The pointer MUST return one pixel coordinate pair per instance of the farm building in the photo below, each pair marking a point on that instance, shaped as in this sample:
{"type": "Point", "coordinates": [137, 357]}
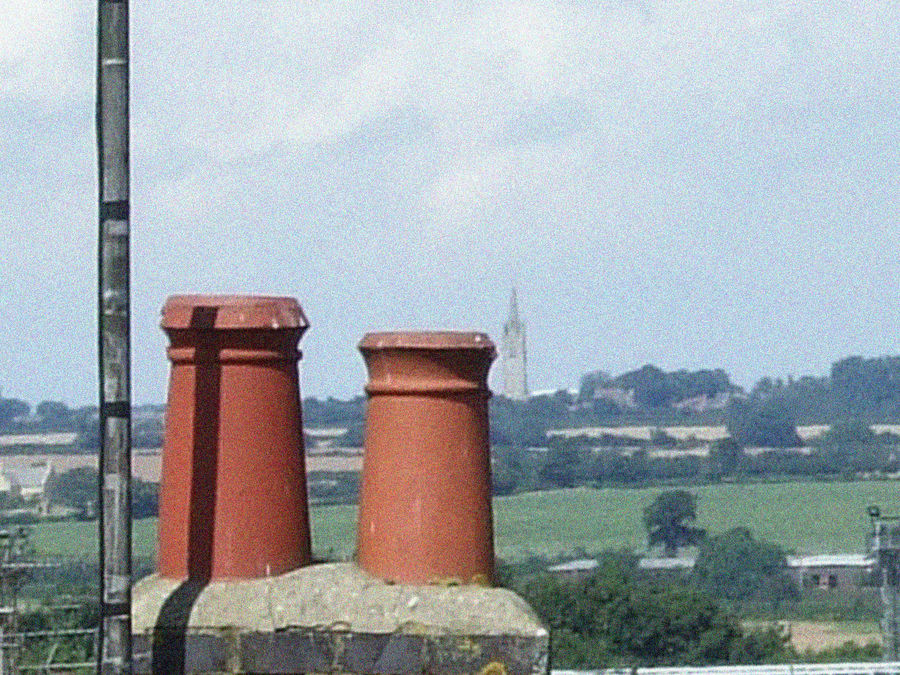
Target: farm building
{"type": "Point", "coordinates": [26, 481]}
{"type": "Point", "coordinates": [574, 570]}
{"type": "Point", "coordinates": [839, 570]}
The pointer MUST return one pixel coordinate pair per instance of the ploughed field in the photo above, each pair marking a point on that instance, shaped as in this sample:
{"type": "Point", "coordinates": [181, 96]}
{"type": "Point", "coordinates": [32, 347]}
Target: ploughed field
{"type": "Point", "coordinates": [811, 517]}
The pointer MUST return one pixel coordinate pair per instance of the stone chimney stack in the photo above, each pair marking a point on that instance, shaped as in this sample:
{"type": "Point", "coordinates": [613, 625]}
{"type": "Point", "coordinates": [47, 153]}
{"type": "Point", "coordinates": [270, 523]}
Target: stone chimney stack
{"type": "Point", "coordinates": [234, 593]}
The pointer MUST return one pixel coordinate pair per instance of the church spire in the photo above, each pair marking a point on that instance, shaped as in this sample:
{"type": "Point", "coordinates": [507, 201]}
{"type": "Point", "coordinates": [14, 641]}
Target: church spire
{"type": "Point", "coordinates": [513, 310]}
{"type": "Point", "coordinates": [515, 384]}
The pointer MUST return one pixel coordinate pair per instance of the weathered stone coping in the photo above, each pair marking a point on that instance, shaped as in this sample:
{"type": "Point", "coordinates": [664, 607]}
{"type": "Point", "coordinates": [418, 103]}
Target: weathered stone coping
{"type": "Point", "coordinates": [332, 618]}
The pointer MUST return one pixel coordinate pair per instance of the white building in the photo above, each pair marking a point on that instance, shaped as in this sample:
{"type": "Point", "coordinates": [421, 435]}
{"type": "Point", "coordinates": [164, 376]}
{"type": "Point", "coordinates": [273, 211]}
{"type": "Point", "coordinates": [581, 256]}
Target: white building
{"type": "Point", "coordinates": [26, 481]}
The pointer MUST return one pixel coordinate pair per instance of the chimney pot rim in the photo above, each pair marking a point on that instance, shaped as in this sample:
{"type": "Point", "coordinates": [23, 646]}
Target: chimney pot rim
{"type": "Point", "coordinates": [442, 339]}
{"type": "Point", "coordinates": [234, 312]}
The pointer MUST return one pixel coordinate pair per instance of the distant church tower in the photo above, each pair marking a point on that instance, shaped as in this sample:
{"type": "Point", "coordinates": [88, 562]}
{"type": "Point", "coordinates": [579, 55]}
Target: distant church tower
{"type": "Point", "coordinates": [512, 351]}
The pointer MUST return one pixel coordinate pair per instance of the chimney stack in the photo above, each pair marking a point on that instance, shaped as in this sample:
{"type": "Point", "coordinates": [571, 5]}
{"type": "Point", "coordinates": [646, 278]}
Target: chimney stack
{"type": "Point", "coordinates": [234, 594]}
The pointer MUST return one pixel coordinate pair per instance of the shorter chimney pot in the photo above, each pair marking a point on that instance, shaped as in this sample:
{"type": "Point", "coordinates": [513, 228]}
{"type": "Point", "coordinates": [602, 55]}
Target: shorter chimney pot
{"type": "Point", "coordinates": [425, 499]}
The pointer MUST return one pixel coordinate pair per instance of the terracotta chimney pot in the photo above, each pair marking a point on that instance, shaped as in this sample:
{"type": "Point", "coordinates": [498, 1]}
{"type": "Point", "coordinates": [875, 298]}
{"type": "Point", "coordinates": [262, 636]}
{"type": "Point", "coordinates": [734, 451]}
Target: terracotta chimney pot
{"type": "Point", "coordinates": [233, 494]}
{"type": "Point", "coordinates": [425, 501]}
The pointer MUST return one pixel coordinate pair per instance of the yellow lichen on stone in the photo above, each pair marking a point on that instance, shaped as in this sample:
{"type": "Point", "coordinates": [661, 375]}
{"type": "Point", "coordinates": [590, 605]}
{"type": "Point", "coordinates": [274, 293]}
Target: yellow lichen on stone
{"type": "Point", "coordinates": [494, 668]}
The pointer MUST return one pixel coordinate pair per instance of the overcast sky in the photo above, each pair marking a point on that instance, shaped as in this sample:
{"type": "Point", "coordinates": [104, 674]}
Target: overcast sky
{"type": "Point", "coordinates": [690, 184]}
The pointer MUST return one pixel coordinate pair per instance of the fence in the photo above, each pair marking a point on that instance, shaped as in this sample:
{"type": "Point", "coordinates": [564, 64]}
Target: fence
{"type": "Point", "coordinates": [876, 668]}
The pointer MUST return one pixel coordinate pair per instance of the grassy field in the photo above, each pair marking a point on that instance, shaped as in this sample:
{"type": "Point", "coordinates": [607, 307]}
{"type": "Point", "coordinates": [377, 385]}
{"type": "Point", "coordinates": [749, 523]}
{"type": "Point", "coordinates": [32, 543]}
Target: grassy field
{"type": "Point", "coordinates": [801, 517]}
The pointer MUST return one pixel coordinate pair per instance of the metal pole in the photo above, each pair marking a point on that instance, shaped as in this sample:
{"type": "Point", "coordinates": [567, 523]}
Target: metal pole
{"type": "Point", "coordinates": [114, 650]}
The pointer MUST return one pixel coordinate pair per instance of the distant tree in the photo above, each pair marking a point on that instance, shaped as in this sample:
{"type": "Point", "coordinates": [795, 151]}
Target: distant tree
{"type": "Point", "coordinates": [560, 469]}
{"type": "Point", "coordinates": [53, 413]}
{"type": "Point", "coordinates": [144, 499]}
{"type": "Point", "coordinates": [12, 408]}
{"type": "Point", "coordinates": [590, 382]}
{"type": "Point", "coordinates": [616, 619]}
{"type": "Point", "coordinates": [655, 388]}
{"type": "Point", "coordinates": [354, 436]}
{"type": "Point", "coordinates": [85, 421]}
{"type": "Point", "coordinates": [77, 489]}
{"type": "Point", "coordinates": [504, 479]}
{"type": "Point", "coordinates": [668, 521]}
{"type": "Point", "coordinates": [551, 407]}
{"type": "Point", "coordinates": [333, 412]}
{"type": "Point", "coordinates": [868, 386]}
{"type": "Point", "coordinates": [651, 386]}
{"type": "Point", "coordinates": [761, 424]}
{"type": "Point", "coordinates": [845, 432]}
{"type": "Point", "coordinates": [770, 644]}
{"type": "Point", "coordinates": [515, 423]}
{"type": "Point", "coordinates": [764, 388]}
{"type": "Point", "coordinates": [10, 500]}
{"type": "Point", "coordinates": [725, 455]}
{"type": "Point", "coordinates": [735, 566]}
{"type": "Point", "coordinates": [850, 446]}
{"type": "Point", "coordinates": [147, 433]}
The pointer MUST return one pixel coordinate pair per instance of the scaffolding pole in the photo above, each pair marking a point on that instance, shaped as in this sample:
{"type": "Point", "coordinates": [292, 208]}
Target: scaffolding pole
{"type": "Point", "coordinates": [114, 652]}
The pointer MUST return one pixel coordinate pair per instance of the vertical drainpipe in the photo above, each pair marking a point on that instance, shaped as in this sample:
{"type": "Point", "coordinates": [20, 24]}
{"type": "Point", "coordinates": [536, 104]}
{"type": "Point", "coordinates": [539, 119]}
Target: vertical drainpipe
{"type": "Point", "coordinates": [114, 349]}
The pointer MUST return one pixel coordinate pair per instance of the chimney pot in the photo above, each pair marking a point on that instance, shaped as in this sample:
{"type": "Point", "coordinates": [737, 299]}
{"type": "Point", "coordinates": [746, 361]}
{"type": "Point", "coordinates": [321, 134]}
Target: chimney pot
{"type": "Point", "coordinates": [233, 493]}
{"type": "Point", "coordinates": [425, 500]}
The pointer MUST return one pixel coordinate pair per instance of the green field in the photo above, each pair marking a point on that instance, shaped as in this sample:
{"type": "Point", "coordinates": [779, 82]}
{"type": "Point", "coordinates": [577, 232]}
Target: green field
{"type": "Point", "coordinates": [802, 517]}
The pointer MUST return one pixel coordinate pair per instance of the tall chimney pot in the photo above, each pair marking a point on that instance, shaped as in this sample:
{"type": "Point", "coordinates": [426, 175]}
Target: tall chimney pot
{"type": "Point", "coordinates": [233, 494]}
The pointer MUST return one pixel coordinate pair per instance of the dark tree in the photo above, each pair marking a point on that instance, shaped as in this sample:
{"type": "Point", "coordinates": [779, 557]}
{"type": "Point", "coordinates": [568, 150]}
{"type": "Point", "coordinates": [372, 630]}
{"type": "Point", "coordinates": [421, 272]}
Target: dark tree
{"type": "Point", "coordinates": [725, 455]}
{"type": "Point", "coordinates": [522, 424]}
{"type": "Point", "coordinates": [560, 469]}
{"type": "Point", "coordinates": [736, 566]}
{"type": "Point", "coordinates": [615, 618]}
{"type": "Point", "coordinates": [144, 499]}
{"type": "Point", "coordinates": [669, 521]}
{"type": "Point", "coordinates": [76, 489]}
{"type": "Point", "coordinates": [11, 409]}
{"type": "Point", "coordinates": [652, 387]}
{"type": "Point", "coordinates": [846, 432]}
{"type": "Point", "coordinates": [53, 413]}
{"type": "Point", "coordinates": [867, 385]}
{"type": "Point", "coordinates": [762, 424]}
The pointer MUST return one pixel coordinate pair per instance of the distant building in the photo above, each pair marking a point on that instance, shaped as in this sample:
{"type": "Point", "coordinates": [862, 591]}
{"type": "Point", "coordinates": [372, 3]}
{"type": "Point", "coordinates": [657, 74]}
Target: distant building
{"type": "Point", "coordinates": [826, 572]}
{"type": "Point", "coordinates": [513, 354]}
{"type": "Point", "coordinates": [704, 403]}
{"type": "Point", "coordinates": [26, 481]}
{"type": "Point", "coordinates": [843, 570]}
{"type": "Point", "coordinates": [675, 564]}
{"type": "Point", "coordinates": [624, 398]}
{"type": "Point", "coordinates": [576, 570]}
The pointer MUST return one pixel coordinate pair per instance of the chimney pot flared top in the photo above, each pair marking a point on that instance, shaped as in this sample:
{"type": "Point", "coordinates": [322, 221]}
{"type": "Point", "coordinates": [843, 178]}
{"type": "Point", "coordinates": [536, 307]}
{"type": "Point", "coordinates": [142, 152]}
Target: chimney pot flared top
{"type": "Point", "coordinates": [232, 312]}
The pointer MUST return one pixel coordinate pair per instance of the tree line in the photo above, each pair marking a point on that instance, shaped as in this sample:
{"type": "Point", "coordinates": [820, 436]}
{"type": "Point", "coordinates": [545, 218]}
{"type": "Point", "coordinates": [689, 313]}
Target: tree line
{"type": "Point", "coordinates": [849, 450]}
{"type": "Point", "coordinates": [856, 388]}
